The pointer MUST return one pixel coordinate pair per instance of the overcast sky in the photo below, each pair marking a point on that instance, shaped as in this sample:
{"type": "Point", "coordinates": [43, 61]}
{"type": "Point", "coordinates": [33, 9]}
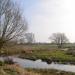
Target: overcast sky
{"type": "Point", "coordinates": [49, 16]}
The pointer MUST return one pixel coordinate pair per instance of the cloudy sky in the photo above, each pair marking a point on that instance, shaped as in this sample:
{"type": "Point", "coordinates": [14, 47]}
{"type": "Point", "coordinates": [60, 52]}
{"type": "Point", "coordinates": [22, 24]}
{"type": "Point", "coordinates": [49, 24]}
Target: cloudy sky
{"type": "Point", "coordinates": [49, 16]}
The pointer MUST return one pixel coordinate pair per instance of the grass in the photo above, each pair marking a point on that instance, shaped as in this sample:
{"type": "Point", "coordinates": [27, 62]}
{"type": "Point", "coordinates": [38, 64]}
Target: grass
{"type": "Point", "coordinates": [54, 55]}
{"type": "Point", "coordinates": [15, 70]}
{"type": "Point", "coordinates": [44, 52]}
{"type": "Point", "coordinates": [10, 49]}
{"type": "Point", "coordinates": [50, 72]}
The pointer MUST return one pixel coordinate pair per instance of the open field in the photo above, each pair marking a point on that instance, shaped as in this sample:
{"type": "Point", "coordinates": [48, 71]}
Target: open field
{"type": "Point", "coordinates": [11, 49]}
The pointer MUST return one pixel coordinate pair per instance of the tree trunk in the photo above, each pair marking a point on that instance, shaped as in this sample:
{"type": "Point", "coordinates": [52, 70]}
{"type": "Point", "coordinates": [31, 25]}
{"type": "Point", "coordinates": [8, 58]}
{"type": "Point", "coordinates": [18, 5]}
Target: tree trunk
{"type": "Point", "coordinates": [59, 45]}
{"type": "Point", "coordinates": [1, 43]}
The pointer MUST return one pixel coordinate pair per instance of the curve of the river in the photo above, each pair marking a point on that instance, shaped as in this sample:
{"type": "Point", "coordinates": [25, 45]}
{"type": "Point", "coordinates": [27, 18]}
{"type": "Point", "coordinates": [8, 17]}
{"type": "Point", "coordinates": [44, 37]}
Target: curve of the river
{"type": "Point", "coordinates": [39, 64]}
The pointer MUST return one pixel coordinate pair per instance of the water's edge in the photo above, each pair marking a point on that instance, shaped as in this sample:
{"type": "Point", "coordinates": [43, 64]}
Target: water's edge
{"type": "Point", "coordinates": [39, 64]}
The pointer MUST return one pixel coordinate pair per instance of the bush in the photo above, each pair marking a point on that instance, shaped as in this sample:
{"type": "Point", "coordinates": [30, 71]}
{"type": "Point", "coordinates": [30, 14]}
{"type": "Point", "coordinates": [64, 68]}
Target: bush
{"type": "Point", "coordinates": [1, 63]}
{"type": "Point", "coordinates": [71, 52]}
{"type": "Point", "coordinates": [8, 61]}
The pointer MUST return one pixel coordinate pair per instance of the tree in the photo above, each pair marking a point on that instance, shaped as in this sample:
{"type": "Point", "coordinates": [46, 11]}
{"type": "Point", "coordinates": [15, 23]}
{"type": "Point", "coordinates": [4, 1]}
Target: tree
{"type": "Point", "coordinates": [12, 24]}
{"type": "Point", "coordinates": [30, 37]}
{"type": "Point", "coordinates": [59, 39]}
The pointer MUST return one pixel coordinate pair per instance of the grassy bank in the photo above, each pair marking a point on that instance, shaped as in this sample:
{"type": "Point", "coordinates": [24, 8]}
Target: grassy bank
{"type": "Point", "coordinates": [50, 72]}
{"type": "Point", "coordinates": [49, 55]}
{"type": "Point", "coordinates": [17, 70]}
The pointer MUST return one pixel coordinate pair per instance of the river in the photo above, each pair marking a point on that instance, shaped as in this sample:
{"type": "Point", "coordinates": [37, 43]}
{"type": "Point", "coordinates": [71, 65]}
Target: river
{"type": "Point", "coordinates": [39, 64]}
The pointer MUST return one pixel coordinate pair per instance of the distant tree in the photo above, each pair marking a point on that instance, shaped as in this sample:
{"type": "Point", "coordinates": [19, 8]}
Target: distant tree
{"type": "Point", "coordinates": [30, 37]}
{"type": "Point", "coordinates": [12, 24]}
{"type": "Point", "coordinates": [21, 41]}
{"type": "Point", "coordinates": [59, 39]}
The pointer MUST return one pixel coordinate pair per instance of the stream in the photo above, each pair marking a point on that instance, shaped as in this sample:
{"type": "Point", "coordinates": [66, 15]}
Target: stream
{"type": "Point", "coordinates": [39, 64]}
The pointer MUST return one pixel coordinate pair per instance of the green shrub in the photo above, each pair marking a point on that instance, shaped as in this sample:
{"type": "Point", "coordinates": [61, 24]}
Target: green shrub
{"type": "Point", "coordinates": [1, 63]}
{"type": "Point", "coordinates": [8, 61]}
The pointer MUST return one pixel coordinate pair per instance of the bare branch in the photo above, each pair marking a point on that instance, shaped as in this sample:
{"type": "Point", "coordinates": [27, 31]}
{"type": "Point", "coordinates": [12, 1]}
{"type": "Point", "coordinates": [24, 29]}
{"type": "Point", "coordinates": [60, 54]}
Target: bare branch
{"type": "Point", "coordinates": [12, 24]}
{"type": "Point", "coordinates": [59, 39]}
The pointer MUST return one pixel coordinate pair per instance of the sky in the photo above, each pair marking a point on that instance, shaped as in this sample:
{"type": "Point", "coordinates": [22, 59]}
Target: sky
{"type": "Point", "coordinates": [45, 17]}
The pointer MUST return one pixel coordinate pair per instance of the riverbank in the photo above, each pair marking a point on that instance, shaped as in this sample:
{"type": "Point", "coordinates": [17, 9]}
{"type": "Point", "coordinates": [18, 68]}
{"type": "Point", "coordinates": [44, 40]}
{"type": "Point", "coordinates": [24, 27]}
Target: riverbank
{"type": "Point", "coordinates": [17, 70]}
{"type": "Point", "coordinates": [38, 64]}
{"type": "Point", "coordinates": [50, 72]}
{"type": "Point", "coordinates": [44, 52]}
{"type": "Point", "coordinates": [57, 56]}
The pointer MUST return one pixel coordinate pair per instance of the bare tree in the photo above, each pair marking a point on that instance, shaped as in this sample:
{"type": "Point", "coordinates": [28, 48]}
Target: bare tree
{"type": "Point", "coordinates": [59, 39]}
{"type": "Point", "coordinates": [30, 37]}
{"type": "Point", "coordinates": [12, 24]}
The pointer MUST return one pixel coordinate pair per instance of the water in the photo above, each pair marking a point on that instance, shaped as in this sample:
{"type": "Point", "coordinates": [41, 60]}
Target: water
{"type": "Point", "coordinates": [39, 64]}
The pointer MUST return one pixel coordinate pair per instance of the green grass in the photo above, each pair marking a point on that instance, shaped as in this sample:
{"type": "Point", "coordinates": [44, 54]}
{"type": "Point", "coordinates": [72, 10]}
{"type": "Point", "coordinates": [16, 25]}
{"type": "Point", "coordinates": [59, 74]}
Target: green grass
{"type": "Point", "coordinates": [34, 52]}
{"type": "Point", "coordinates": [10, 49]}
{"type": "Point", "coordinates": [59, 55]}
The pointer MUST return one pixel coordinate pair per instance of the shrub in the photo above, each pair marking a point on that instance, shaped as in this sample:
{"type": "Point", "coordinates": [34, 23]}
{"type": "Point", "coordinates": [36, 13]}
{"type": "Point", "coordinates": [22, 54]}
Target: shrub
{"type": "Point", "coordinates": [8, 61]}
{"type": "Point", "coordinates": [1, 63]}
